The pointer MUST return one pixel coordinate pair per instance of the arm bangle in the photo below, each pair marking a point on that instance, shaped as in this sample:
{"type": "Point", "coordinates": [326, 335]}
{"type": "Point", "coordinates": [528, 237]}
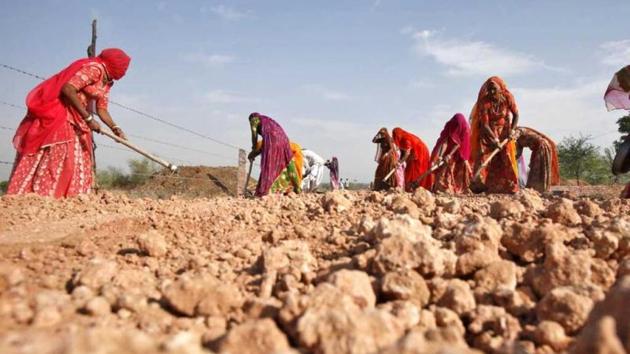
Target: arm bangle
{"type": "Point", "coordinates": [88, 119]}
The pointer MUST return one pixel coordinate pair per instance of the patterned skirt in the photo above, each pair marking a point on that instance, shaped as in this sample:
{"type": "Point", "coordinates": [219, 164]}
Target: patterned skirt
{"type": "Point", "coordinates": [59, 170]}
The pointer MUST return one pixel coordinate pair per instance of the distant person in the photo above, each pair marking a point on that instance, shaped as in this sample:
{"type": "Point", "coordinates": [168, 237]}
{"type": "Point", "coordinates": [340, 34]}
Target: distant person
{"type": "Point", "coordinates": [494, 118]}
{"type": "Point", "coordinates": [453, 148]}
{"type": "Point", "coordinates": [313, 170]}
{"type": "Point", "coordinates": [54, 141]}
{"type": "Point", "coordinates": [415, 154]}
{"type": "Point", "coordinates": [387, 158]}
{"type": "Point", "coordinates": [333, 166]}
{"type": "Point", "coordinates": [544, 170]}
{"type": "Point", "coordinates": [298, 159]}
{"type": "Point", "coordinates": [278, 173]}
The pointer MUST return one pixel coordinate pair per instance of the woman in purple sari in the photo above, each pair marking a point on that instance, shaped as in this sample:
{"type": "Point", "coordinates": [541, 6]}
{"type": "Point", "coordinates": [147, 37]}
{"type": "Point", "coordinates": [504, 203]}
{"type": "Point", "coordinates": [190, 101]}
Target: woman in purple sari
{"type": "Point", "coordinates": [277, 168]}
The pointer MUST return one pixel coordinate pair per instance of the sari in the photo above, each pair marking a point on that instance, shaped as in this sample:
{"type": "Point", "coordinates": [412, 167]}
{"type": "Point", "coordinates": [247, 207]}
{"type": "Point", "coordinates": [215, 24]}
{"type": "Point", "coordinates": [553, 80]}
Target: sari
{"type": "Point", "coordinates": [298, 159]}
{"type": "Point", "coordinates": [501, 174]}
{"type": "Point", "coordinates": [544, 170]}
{"type": "Point", "coordinates": [53, 142]}
{"type": "Point", "coordinates": [454, 175]}
{"type": "Point", "coordinates": [617, 94]}
{"type": "Point", "coordinates": [278, 173]}
{"type": "Point", "coordinates": [333, 166]}
{"type": "Point", "coordinates": [387, 159]}
{"type": "Point", "coordinates": [417, 160]}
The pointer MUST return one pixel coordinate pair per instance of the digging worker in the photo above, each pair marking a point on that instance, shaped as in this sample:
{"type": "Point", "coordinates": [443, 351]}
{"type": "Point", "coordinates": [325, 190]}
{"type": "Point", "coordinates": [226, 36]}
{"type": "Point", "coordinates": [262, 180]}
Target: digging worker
{"type": "Point", "coordinates": [387, 157]}
{"type": "Point", "coordinates": [493, 120]}
{"type": "Point", "coordinates": [313, 170]}
{"type": "Point", "coordinates": [415, 154]}
{"type": "Point", "coordinates": [54, 141]}
{"type": "Point", "coordinates": [544, 170]}
{"type": "Point", "coordinates": [278, 173]}
{"type": "Point", "coordinates": [450, 155]}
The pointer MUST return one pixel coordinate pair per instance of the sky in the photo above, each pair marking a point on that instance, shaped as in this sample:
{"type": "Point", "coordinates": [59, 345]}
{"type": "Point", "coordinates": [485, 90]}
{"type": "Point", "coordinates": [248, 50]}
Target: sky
{"type": "Point", "coordinates": [330, 72]}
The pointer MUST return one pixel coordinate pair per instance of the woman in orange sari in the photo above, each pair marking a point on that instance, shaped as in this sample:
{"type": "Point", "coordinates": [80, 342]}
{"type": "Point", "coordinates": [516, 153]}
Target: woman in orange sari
{"type": "Point", "coordinates": [415, 153]}
{"type": "Point", "coordinates": [494, 117]}
{"type": "Point", "coordinates": [452, 150]}
{"type": "Point", "coordinates": [544, 170]}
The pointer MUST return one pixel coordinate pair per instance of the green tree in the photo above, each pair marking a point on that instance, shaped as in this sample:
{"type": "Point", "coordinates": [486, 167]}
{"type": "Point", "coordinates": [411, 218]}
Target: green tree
{"type": "Point", "coordinates": [582, 161]}
{"type": "Point", "coordinates": [3, 186]}
{"type": "Point", "coordinates": [139, 172]}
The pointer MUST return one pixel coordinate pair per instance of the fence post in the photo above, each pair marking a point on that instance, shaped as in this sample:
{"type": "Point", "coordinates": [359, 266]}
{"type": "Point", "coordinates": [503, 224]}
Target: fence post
{"type": "Point", "coordinates": [241, 171]}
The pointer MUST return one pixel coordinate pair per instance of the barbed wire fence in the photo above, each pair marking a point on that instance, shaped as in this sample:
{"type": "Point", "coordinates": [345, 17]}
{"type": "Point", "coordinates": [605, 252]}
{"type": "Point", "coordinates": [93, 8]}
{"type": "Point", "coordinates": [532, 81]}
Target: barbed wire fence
{"type": "Point", "coordinates": [240, 158]}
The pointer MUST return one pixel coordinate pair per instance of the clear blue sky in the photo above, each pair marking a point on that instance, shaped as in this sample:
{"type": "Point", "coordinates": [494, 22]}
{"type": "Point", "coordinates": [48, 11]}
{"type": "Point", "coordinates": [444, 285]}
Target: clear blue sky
{"type": "Point", "coordinates": [331, 72]}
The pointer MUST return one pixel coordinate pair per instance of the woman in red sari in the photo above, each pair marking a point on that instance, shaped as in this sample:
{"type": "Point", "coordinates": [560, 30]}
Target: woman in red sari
{"type": "Point", "coordinates": [54, 140]}
{"type": "Point", "coordinates": [453, 150]}
{"type": "Point", "coordinates": [494, 117]}
{"type": "Point", "coordinates": [415, 153]}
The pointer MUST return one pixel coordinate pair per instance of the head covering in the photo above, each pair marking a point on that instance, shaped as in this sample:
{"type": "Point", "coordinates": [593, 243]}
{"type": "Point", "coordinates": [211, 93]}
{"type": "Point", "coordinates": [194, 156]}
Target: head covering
{"type": "Point", "coordinates": [617, 94]}
{"type": "Point", "coordinates": [382, 138]}
{"type": "Point", "coordinates": [116, 62]}
{"type": "Point", "coordinates": [457, 130]}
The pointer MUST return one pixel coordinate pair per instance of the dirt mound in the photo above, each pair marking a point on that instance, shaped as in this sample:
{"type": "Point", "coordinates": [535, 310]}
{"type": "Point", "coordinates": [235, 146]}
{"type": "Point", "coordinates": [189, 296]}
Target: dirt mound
{"type": "Point", "coordinates": [343, 272]}
{"type": "Point", "coordinates": [190, 182]}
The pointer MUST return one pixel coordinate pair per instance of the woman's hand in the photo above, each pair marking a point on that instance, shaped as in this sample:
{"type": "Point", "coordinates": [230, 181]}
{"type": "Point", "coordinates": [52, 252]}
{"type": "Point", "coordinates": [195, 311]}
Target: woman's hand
{"type": "Point", "coordinates": [93, 124]}
{"type": "Point", "coordinates": [119, 132]}
{"type": "Point", "coordinates": [252, 155]}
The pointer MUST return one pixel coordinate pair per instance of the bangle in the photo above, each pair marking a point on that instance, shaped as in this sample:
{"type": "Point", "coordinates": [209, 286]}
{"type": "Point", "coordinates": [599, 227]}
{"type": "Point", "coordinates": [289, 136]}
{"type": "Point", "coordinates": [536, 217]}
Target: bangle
{"type": "Point", "coordinates": [88, 119]}
{"type": "Point", "coordinates": [115, 127]}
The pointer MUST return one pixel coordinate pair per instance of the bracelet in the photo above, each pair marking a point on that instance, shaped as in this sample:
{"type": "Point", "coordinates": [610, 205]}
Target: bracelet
{"type": "Point", "coordinates": [115, 127]}
{"type": "Point", "coordinates": [88, 119]}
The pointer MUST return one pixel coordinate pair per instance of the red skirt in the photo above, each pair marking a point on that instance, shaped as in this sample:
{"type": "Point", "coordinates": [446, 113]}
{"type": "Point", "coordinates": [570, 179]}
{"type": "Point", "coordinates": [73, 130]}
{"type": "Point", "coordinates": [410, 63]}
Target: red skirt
{"type": "Point", "coordinates": [60, 170]}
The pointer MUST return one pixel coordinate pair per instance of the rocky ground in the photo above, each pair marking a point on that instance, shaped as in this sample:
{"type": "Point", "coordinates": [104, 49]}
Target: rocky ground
{"type": "Point", "coordinates": [353, 272]}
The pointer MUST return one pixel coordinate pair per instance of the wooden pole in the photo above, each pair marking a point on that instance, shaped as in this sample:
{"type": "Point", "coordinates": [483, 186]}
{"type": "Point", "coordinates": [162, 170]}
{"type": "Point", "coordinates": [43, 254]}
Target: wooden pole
{"type": "Point", "coordinates": [91, 51]}
{"type": "Point", "coordinates": [140, 151]}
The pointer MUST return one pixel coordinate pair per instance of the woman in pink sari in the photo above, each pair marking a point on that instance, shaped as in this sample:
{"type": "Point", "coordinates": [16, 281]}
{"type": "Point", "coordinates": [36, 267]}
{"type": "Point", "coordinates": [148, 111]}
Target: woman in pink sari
{"type": "Point", "coordinates": [452, 150]}
{"type": "Point", "coordinates": [54, 140]}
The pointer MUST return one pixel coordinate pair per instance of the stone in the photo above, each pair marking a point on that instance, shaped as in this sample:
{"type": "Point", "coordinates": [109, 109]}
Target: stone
{"type": "Point", "coordinates": [607, 328]}
{"type": "Point", "coordinates": [335, 202]}
{"type": "Point", "coordinates": [334, 331]}
{"type": "Point", "coordinates": [477, 244]}
{"type": "Point", "coordinates": [424, 200]}
{"type": "Point", "coordinates": [96, 273]}
{"type": "Point", "coordinates": [47, 316]}
{"type": "Point", "coordinates": [254, 337]}
{"type": "Point", "coordinates": [529, 242]}
{"type": "Point", "coordinates": [506, 208]}
{"type": "Point", "coordinates": [403, 205]}
{"type": "Point", "coordinates": [395, 253]}
{"type": "Point", "coordinates": [458, 297]}
{"type": "Point", "coordinates": [497, 275]}
{"type": "Point", "coordinates": [357, 284]}
{"type": "Point", "coordinates": [97, 306]}
{"type": "Point", "coordinates": [202, 295]}
{"type": "Point", "coordinates": [152, 244]}
{"type": "Point", "coordinates": [10, 275]}
{"type": "Point", "coordinates": [566, 306]}
{"type": "Point", "coordinates": [563, 212]}
{"type": "Point", "coordinates": [406, 313]}
{"type": "Point", "coordinates": [601, 337]}
{"type": "Point", "coordinates": [564, 267]}
{"type": "Point", "coordinates": [552, 334]}
{"type": "Point", "coordinates": [405, 285]}
{"type": "Point", "coordinates": [185, 342]}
